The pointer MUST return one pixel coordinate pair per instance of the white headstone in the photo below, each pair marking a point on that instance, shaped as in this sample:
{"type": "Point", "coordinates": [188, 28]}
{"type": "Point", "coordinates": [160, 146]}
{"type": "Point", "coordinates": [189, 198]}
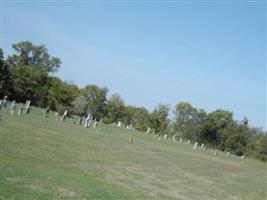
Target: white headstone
{"type": "Point", "coordinates": [195, 146]}
{"type": "Point", "coordinates": [95, 125]}
{"type": "Point", "coordinates": [64, 115]}
{"type": "Point", "coordinates": [148, 130]}
{"type": "Point", "coordinates": [27, 105]}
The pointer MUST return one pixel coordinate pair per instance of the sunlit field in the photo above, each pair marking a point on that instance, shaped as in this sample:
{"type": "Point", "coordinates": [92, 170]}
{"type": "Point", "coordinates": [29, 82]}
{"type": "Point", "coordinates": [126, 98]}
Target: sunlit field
{"type": "Point", "coordinates": [44, 158]}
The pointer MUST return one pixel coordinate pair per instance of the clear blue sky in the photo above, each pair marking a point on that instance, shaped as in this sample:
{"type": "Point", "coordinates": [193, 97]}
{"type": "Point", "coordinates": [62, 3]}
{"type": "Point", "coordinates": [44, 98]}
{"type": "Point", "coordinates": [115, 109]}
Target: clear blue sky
{"type": "Point", "coordinates": [212, 55]}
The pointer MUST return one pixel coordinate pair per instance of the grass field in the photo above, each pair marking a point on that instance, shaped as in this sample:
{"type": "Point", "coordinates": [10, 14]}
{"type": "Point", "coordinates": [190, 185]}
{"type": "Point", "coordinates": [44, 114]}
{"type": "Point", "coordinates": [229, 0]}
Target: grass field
{"type": "Point", "coordinates": [43, 158]}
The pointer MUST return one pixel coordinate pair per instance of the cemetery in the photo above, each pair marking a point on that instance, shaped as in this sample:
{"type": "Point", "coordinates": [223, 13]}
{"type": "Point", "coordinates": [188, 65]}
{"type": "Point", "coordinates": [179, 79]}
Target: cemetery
{"type": "Point", "coordinates": [51, 156]}
{"type": "Point", "coordinates": [138, 100]}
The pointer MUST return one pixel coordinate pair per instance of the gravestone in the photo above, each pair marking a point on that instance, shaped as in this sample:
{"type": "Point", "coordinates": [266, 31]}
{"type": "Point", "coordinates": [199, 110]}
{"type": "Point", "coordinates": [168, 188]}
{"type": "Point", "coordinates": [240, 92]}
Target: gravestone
{"type": "Point", "coordinates": [1, 104]}
{"type": "Point", "coordinates": [12, 104]}
{"type": "Point", "coordinates": [27, 107]}
{"type": "Point", "coordinates": [202, 146]}
{"type": "Point", "coordinates": [80, 120]}
{"type": "Point", "coordinates": [119, 124]}
{"type": "Point", "coordinates": [63, 118]}
{"type": "Point", "coordinates": [227, 154]}
{"type": "Point", "coordinates": [90, 123]}
{"type": "Point", "coordinates": [165, 136]}
{"type": "Point", "coordinates": [148, 130]}
{"type": "Point", "coordinates": [195, 146]}
{"type": "Point", "coordinates": [86, 121]}
{"type": "Point", "coordinates": [174, 138]}
{"type": "Point", "coordinates": [181, 140]}
{"type": "Point", "coordinates": [187, 141]}
{"type": "Point", "coordinates": [46, 112]}
{"type": "Point", "coordinates": [131, 140]}
{"type": "Point", "coordinates": [13, 107]}
{"type": "Point", "coordinates": [215, 152]}
{"type": "Point", "coordinates": [20, 111]}
{"type": "Point", "coordinates": [95, 125]}
{"type": "Point", "coordinates": [5, 101]}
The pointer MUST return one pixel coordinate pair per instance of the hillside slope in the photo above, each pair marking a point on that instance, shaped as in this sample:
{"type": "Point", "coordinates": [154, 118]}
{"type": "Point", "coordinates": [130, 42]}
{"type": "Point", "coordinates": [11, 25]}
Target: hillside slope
{"type": "Point", "coordinates": [43, 158]}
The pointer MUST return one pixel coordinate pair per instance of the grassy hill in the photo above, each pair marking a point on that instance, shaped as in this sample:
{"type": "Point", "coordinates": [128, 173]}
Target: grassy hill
{"type": "Point", "coordinates": [43, 158]}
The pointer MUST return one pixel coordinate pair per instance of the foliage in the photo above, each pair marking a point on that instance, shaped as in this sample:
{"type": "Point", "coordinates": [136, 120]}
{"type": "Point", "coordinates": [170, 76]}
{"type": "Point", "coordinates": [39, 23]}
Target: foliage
{"type": "Point", "coordinates": [187, 120]}
{"type": "Point", "coordinates": [96, 98]}
{"type": "Point", "coordinates": [79, 105]}
{"type": "Point", "coordinates": [115, 109]}
{"type": "Point", "coordinates": [29, 55]}
{"type": "Point", "coordinates": [211, 129]}
{"type": "Point", "coordinates": [159, 118]}
{"type": "Point", "coordinates": [5, 76]}
{"type": "Point", "coordinates": [141, 119]}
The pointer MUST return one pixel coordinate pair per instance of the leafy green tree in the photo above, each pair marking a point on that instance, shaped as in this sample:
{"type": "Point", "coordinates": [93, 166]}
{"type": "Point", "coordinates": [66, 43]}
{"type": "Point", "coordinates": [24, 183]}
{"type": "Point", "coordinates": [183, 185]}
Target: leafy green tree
{"type": "Point", "coordinates": [28, 83]}
{"type": "Point", "coordinates": [159, 119]}
{"type": "Point", "coordinates": [96, 98]}
{"type": "Point", "coordinates": [30, 68]}
{"type": "Point", "coordinates": [141, 119]}
{"type": "Point", "coordinates": [60, 94]}
{"type": "Point", "coordinates": [115, 109]}
{"type": "Point", "coordinates": [29, 55]}
{"type": "Point", "coordinates": [235, 139]}
{"type": "Point", "coordinates": [79, 105]}
{"type": "Point", "coordinates": [261, 147]}
{"type": "Point", "coordinates": [129, 112]}
{"type": "Point", "coordinates": [5, 77]}
{"type": "Point", "coordinates": [211, 129]}
{"type": "Point", "coordinates": [187, 120]}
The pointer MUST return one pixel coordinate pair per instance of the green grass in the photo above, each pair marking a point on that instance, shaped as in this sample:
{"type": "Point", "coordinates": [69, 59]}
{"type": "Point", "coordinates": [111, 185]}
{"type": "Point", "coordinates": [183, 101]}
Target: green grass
{"type": "Point", "coordinates": [43, 158]}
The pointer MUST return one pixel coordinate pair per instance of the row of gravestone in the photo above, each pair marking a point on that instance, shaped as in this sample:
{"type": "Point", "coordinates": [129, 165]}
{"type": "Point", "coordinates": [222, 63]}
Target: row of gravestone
{"type": "Point", "coordinates": [197, 146]}
{"type": "Point", "coordinates": [121, 125]}
{"type": "Point", "coordinates": [85, 121]}
{"type": "Point", "coordinates": [13, 108]}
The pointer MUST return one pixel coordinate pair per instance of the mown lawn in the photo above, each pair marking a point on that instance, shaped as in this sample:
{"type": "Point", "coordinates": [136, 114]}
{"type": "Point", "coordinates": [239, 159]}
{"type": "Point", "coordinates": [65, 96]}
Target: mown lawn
{"type": "Point", "coordinates": [43, 158]}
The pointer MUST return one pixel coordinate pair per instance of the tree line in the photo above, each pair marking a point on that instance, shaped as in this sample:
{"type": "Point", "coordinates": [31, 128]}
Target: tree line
{"type": "Point", "coordinates": [28, 75]}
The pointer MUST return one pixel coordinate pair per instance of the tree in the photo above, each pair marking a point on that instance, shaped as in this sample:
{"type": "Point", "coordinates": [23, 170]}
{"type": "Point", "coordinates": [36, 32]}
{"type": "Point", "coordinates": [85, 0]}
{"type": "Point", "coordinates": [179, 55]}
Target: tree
{"type": "Point", "coordinates": [187, 120]}
{"type": "Point", "coordinates": [60, 94]}
{"type": "Point", "coordinates": [159, 118]}
{"type": "Point", "coordinates": [115, 109]}
{"type": "Point", "coordinates": [141, 119]}
{"type": "Point", "coordinates": [129, 112]}
{"type": "Point", "coordinates": [96, 98]}
{"type": "Point", "coordinates": [79, 105]}
{"type": "Point", "coordinates": [211, 129]}
{"type": "Point", "coordinates": [235, 139]}
{"type": "Point", "coordinates": [28, 83]}
{"type": "Point", "coordinates": [261, 147]}
{"type": "Point", "coordinates": [30, 68]}
{"type": "Point", "coordinates": [28, 55]}
{"type": "Point", "coordinates": [5, 76]}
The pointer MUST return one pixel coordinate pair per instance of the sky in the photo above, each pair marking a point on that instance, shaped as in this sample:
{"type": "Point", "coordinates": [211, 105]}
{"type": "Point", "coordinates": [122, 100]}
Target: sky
{"type": "Point", "coordinates": [211, 54]}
